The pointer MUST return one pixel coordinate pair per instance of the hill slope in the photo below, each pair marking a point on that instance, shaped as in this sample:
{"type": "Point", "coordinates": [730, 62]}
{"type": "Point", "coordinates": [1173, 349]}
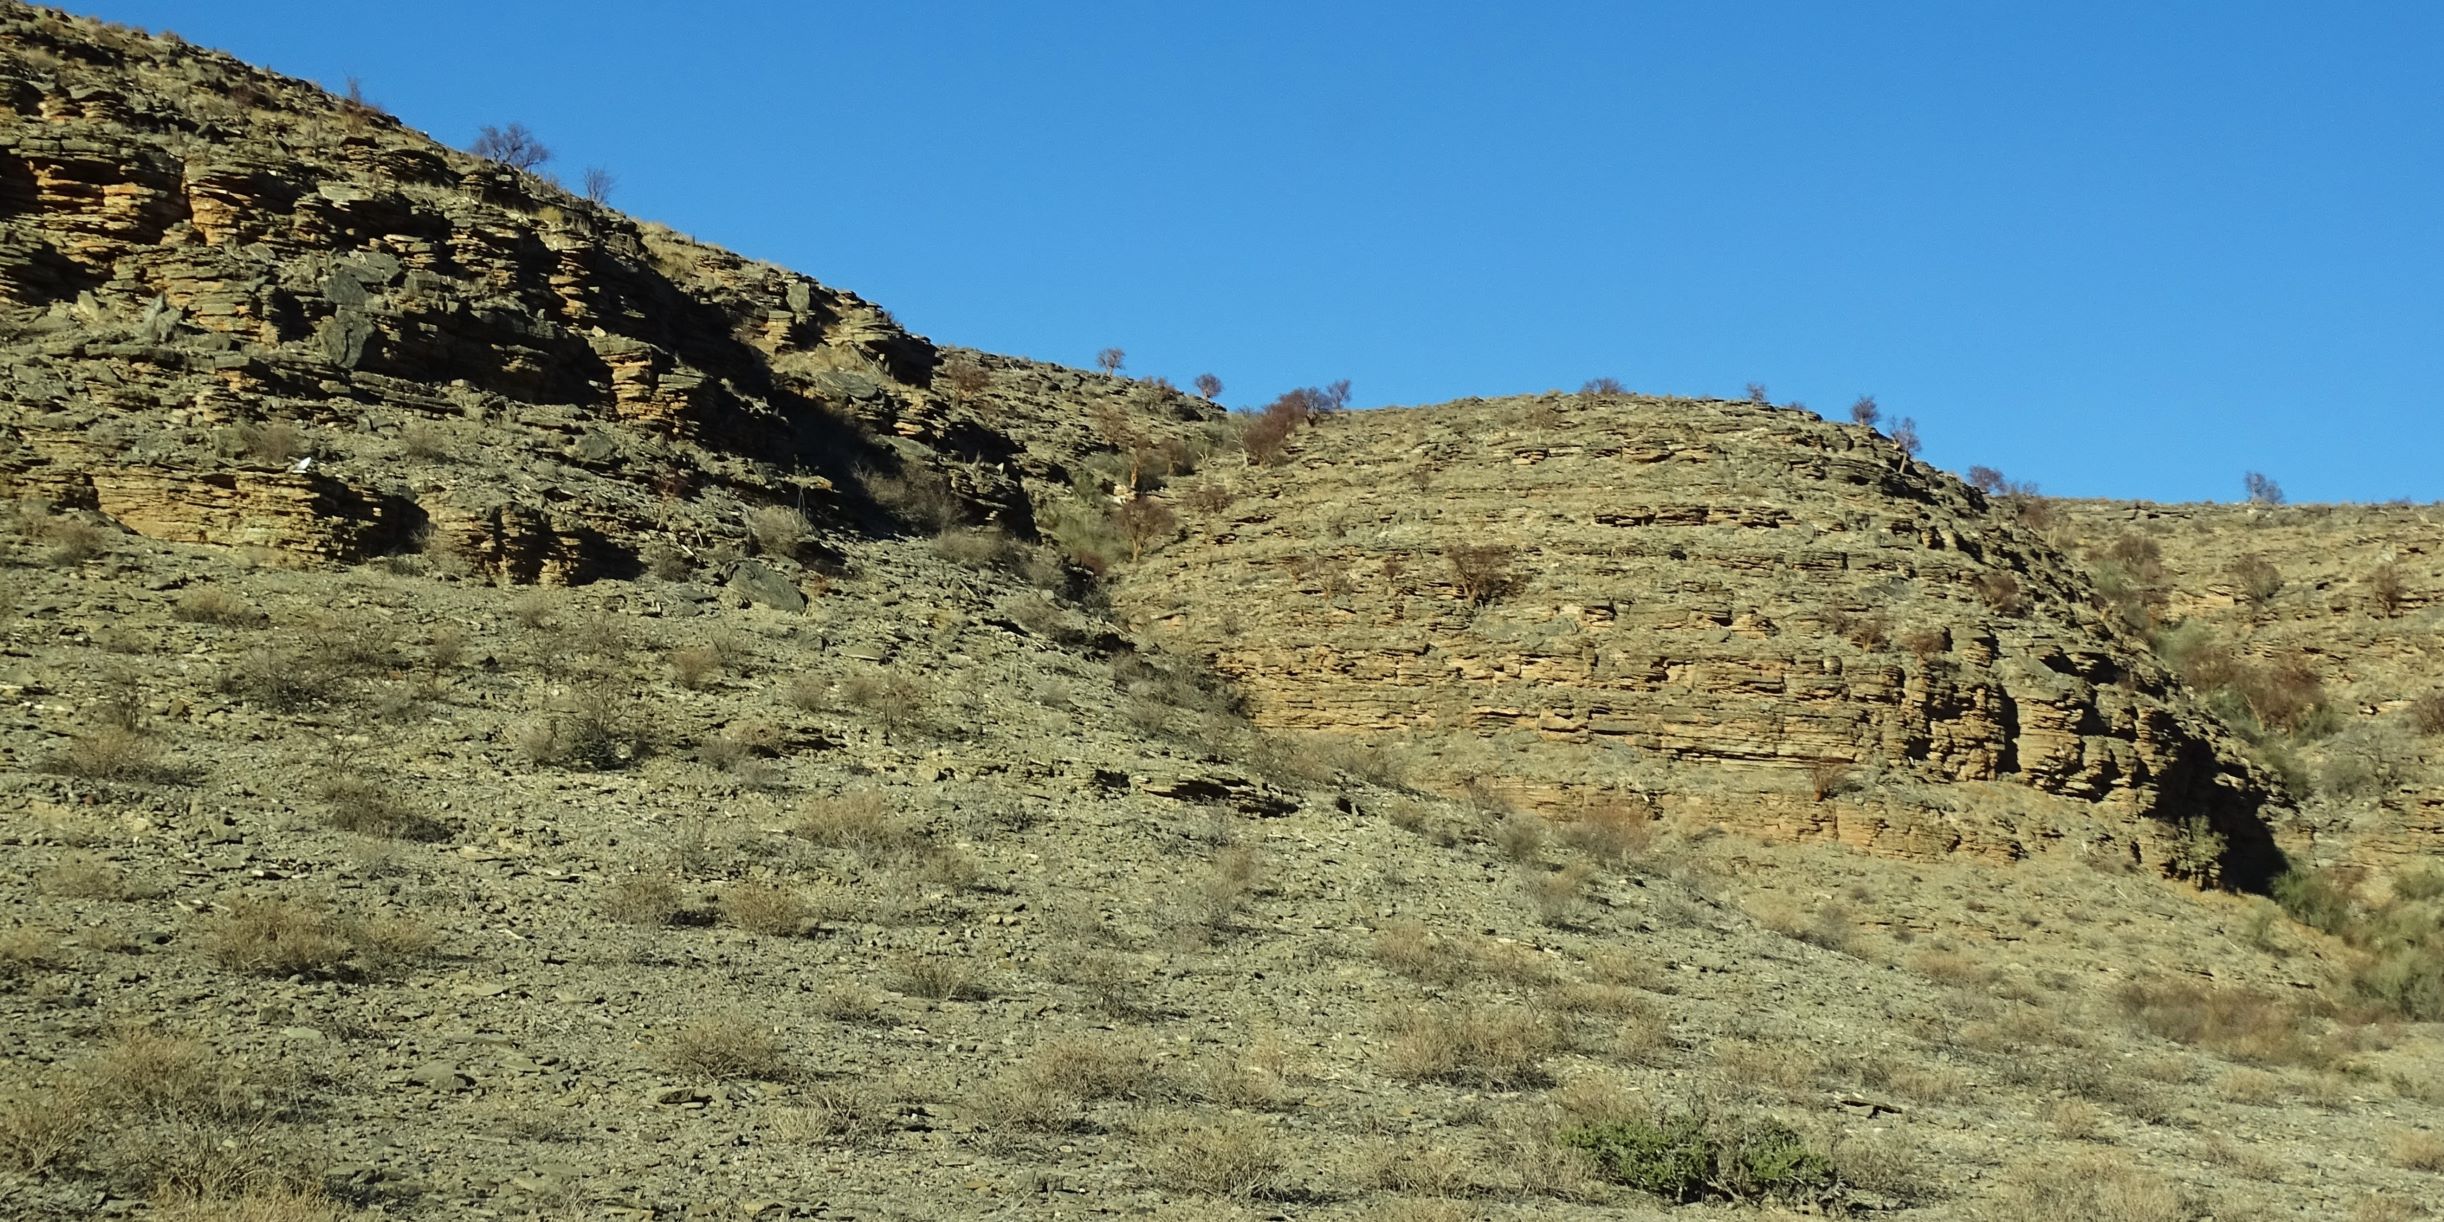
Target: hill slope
{"type": "Point", "coordinates": [1745, 614]}
{"type": "Point", "coordinates": [862, 867]}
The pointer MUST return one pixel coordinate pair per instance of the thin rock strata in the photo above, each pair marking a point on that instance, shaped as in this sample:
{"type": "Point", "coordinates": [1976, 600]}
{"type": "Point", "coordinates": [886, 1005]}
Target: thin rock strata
{"type": "Point", "coordinates": [209, 273]}
{"type": "Point", "coordinates": [1701, 608]}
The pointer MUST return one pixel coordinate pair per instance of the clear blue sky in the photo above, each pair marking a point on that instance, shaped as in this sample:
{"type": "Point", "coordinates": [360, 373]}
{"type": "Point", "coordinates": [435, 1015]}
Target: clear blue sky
{"type": "Point", "coordinates": [2118, 249]}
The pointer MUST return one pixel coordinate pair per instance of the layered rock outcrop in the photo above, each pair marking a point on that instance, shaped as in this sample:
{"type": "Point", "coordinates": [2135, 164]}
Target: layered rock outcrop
{"type": "Point", "coordinates": [2352, 596]}
{"type": "Point", "coordinates": [1717, 609]}
{"type": "Point", "coordinates": [209, 273]}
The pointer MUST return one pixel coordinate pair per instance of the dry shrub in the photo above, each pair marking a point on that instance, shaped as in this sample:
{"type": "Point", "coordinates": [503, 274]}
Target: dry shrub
{"type": "Point", "coordinates": [2076, 1120]}
{"type": "Point", "coordinates": [937, 978]}
{"type": "Point", "coordinates": [1782, 1067]}
{"type": "Point", "coordinates": [2255, 580]}
{"type": "Point", "coordinates": [214, 605]}
{"type": "Point", "coordinates": [1256, 1077]}
{"type": "Point", "coordinates": [777, 530]}
{"type": "Point", "coordinates": [375, 808]}
{"type": "Point", "coordinates": [1499, 1047]}
{"type": "Point", "coordinates": [849, 1002]}
{"type": "Point", "coordinates": [861, 821]}
{"type": "Point", "coordinates": [25, 952]}
{"type": "Point", "coordinates": [1559, 897]}
{"type": "Point", "coordinates": [2419, 1150]}
{"type": "Point", "coordinates": [2242, 1024]}
{"type": "Point", "coordinates": [2427, 713]}
{"type": "Point", "coordinates": [1827, 778]}
{"type": "Point", "coordinates": [765, 908]}
{"type": "Point", "coordinates": [2089, 1186]}
{"type": "Point", "coordinates": [695, 667]}
{"type": "Point", "coordinates": [126, 754]}
{"type": "Point", "coordinates": [68, 540]}
{"type": "Point", "coordinates": [590, 729]}
{"type": "Point", "coordinates": [2001, 592]}
{"type": "Point", "coordinates": [271, 441]}
{"type": "Point", "coordinates": [426, 441]}
{"type": "Point", "coordinates": [1612, 834]}
{"type": "Point", "coordinates": [81, 877]}
{"type": "Point", "coordinates": [1483, 572]}
{"type": "Point", "coordinates": [276, 938]}
{"type": "Point", "coordinates": [642, 899]}
{"type": "Point", "coordinates": [894, 700]}
{"type": "Point", "coordinates": [726, 1048]}
{"type": "Point", "coordinates": [983, 547]}
{"type": "Point", "coordinates": [2386, 593]}
{"type": "Point", "coordinates": [837, 1113]}
{"type": "Point", "coordinates": [1235, 876]}
{"type": "Point", "coordinates": [1090, 1068]}
{"type": "Point", "coordinates": [1230, 1156]}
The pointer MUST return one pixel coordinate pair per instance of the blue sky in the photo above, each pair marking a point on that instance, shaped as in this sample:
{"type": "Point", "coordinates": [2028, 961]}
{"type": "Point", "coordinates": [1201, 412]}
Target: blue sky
{"type": "Point", "coordinates": [2117, 249]}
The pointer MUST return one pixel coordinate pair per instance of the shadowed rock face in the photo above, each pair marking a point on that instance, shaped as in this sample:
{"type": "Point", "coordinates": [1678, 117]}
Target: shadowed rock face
{"type": "Point", "coordinates": [2357, 602]}
{"type": "Point", "coordinates": [1702, 607]}
{"type": "Point", "coordinates": [208, 272]}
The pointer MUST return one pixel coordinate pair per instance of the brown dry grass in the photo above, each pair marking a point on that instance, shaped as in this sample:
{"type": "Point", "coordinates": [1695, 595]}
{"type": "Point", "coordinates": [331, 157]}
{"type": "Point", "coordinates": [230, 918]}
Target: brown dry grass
{"type": "Point", "coordinates": [765, 908]}
{"type": "Point", "coordinates": [1501, 1047]}
{"type": "Point", "coordinates": [727, 1047]}
{"type": "Point", "coordinates": [1229, 1156]}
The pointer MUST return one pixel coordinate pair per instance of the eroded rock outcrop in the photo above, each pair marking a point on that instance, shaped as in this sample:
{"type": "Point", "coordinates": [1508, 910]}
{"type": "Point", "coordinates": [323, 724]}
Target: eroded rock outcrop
{"type": "Point", "coordinates": [209, 272]}
{"type": "Point", "coordinates": [1717, 609]}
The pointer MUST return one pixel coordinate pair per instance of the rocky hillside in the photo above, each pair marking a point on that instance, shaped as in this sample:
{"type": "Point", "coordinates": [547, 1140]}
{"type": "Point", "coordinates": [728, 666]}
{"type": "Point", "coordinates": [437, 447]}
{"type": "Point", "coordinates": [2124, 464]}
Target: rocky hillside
{"type": "Point", "coordinates": [1723, 610]}
{"type": "Point", "coordinates": [237, 310]}
{"type": "Point", "coordinates": [508, 712]}
{"type": "Point", "coordinates": [2347, 601]}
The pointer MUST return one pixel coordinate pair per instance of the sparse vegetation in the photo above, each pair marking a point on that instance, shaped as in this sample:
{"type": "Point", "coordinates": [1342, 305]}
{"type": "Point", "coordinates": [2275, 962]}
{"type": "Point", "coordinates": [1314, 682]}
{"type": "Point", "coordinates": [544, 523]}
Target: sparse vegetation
{"type": "Point", "coordinates": [513, 146]}
{"type": "Point", "coordinates": [1692, 1157]}
{"type": "Point", "coordinates": [777, 530]}
{"type": "Point", "coordinates": [1483, 572]}
{"type": "Point", "coordinates": [725, 1048]}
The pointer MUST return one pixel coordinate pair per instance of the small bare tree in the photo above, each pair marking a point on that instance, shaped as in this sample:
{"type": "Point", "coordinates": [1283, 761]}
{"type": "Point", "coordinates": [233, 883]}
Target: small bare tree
{"type": "Point", "coordinates": [1865, 411]}
{"type": "Point", "coordinates": [1336, 396]}
{"type": "Point", "coordinates": [1986, 480]}
{"type": "Point", "coordinates": [512, 146]}
{"type": "Point", "coordinates": [966, 377]}
{"type": "Point", "coordinates": [1905, 435]}
{"type": "Point", "coordinates": [1109, 360]}
{"type": "Point", "coordinates": [2262, 489]}
{"type": "Point", "coordinates": [1603, 388]}
{"type": "Point", "coordinates": [1756, 393]}
{"type": "Point", "coordinates": [1209, 386]}
{"type": "Point", "coordinates": [598, 184]}
{"type": "Point", "coordinates": [1146, 522]}
{"type": "Point", "coordinates": [1483, 571]}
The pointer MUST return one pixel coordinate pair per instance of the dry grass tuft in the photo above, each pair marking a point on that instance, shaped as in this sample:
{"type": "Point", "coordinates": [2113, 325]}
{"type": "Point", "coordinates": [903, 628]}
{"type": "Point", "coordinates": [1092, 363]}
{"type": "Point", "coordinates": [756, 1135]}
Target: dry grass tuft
{"type": "Point", "coordinates": [2242, 1024]}
{"type": "Point", "coordinates": [2419, 1151]}
{"type": "Point", "coordinates": [861, 821]}
{"type": "Point", "coordinates": [643, 899]}
{"type": "Point", "coordinates": [765, 908]}
{"type": "Point", "coordinates": [1230, 1156]}
{"type": "Point", "coordinates": [727, 1048]}
{"type": "Point", "coordinates": [1500, 1047]}
{"type": "Point", "coordinates": [279, 938]}
{"type": "Point", "coordinates": [214, 605]}
{"type": "Point", "coordinates": [848, 1114]}
{"type": "Point", "coordinates": [2089, 1187]}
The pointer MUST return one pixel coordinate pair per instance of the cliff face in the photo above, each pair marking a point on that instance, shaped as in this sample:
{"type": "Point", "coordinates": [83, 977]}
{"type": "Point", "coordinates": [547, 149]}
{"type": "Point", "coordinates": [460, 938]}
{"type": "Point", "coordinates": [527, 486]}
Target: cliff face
{"type": "Point", "coordinates": [209, 272]}
{"type": "Point", "coordinates": [1708, 608]}
{"type": "Point", "coordinates": [2350, 595]}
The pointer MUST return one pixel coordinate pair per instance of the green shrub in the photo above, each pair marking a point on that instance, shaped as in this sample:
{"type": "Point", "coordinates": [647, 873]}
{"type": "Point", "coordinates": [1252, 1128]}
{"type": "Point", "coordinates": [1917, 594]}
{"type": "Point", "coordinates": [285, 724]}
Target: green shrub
{"type": "Point", "coordinates": [2316, 899]}
{"type": "Point", "coordinates": [1687, 1158]}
